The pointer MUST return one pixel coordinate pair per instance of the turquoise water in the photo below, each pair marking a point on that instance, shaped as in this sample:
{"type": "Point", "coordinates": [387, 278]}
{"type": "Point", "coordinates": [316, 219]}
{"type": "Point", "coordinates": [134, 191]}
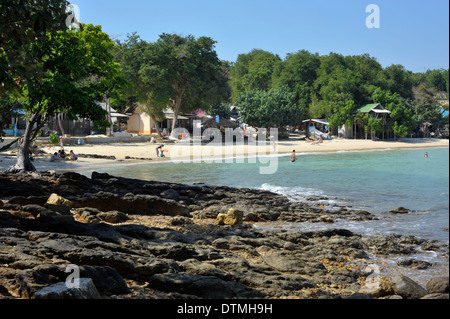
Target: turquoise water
{"type": "Point", "coordinates": [376, 181]}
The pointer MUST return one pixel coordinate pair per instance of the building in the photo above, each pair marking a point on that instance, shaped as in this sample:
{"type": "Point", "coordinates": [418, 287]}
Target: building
{"type": "Point", "coordinates": [374, 110]}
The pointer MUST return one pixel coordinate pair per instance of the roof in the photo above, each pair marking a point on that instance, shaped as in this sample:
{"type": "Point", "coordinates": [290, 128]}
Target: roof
{"type": "Point", "coordinates": [317, 121]}
{"type": "Point", "coordinates": [374, 107]}
{"type": "Point", "coordinates": [222, 123]}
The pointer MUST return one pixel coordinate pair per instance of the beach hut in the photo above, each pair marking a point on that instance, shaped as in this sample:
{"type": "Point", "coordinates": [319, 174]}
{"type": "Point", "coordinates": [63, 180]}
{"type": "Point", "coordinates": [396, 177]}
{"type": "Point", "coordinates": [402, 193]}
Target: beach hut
{"type": "Point", "coordinates": [376, 111]}
{"type": "Point", "coordinates": [318, 127]}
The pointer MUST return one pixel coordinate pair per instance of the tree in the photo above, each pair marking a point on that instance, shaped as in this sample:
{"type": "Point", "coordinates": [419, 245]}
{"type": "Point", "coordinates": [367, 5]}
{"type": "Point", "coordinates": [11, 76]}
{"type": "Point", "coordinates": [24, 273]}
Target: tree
{"type": "Point", "coordinates": [23, 23]}
{"type": "Point", "coordinates": [78, 68]}
{"type": "Point", "coordinates": [398, 80]}
{"type": "Point", "coordinates": [401, 111]}
{"type": "Point", "coordinates": [253, 71]}
{"type": "Point", "coordinates": [183, 72]}
{"type": "Point", "coordinates": [299, 72]}
{"type": "Point", "coordinates": [274, 108]}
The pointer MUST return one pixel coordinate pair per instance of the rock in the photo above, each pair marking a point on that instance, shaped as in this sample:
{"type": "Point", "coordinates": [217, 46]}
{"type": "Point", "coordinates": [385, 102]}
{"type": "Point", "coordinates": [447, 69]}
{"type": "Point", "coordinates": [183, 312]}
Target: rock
{"type": "Point", "coordinates": [95, 216]}
{"type": "Point", "coordinates": [96, 175]}
{"type": "Point", "coordinates": [407, 288]}
{"type": "Point", "coordinates": [400, 210]}
{"type": "Point", "coordinates": [55, 199]}
{"type": "Point", "coordinates": [30, 200]}
{"type": "Point", "coordinates": [436, 296]}
{"type": "Point", "coordinates": [86, 290]}
{"type": "Point", "coordinates": [414, 264]}
{"type": "Point", "coordinates": [133, 204]}
{"type": "Point", "coordinates": [59, 205]}
{"type": "Point", "coordinates": [170, 194]}
{"type": "Point", "coordinates": [376, 287]}
{"type": "Point", "coordinates": [233, 217]}
{"type": "Point", "coordinates": [37, 210]}
{"type": "Point", "coordinates": [327, 219]}
{"type": "Point", "coordinates": [292, 264]}
{"type": "Point", "coordinates": [438, 285]}
{"type": "Point", "coordinates": [359, 296]}
{"type": "Point", "coordinates": [203, 286]}
{"type": "Point", "coordinates": [113, 217]}
{"type": "Point", "coordinates": [106, 279]}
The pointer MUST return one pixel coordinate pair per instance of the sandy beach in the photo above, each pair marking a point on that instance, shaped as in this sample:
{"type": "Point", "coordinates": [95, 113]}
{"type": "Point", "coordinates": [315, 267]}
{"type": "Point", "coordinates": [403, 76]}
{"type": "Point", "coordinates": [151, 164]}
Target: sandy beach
{"type": "Point", "coordinates": [138, 152]}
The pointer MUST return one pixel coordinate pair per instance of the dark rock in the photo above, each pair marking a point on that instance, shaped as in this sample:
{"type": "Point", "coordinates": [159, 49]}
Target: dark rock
{"type": "Point", "coordinates": [407, 288]}
{"type": "Point", "coordinates": [170, 194]}
{"type": "Point", "coordinates": [96, 175]}
{"type": "Point", "coordinates": [203, 286]}
{"type": "Point", "coordinates": [414, 264]}
{"type": "Point", "coordinates": [400, 210]}
{"type": "Point", "coordinates": [133, 204]}
{"type": "Point", "coordinates": [438, 285]}
{"type": "Point", "coordinates": [106, 279]}
{"type": "Point", "coordinates": [359, 296]}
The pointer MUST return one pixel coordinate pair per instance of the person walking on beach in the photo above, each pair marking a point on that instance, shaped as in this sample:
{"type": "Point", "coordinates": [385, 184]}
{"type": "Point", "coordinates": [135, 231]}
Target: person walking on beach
{"type": "Point", "coordinates": [293, 157]}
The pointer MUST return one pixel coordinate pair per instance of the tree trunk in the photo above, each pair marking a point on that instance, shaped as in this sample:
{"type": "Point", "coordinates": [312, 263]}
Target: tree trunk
{"type": "Point", "coordinates": [60, 124]}
{"type": "Point", "coordinates": [176, 108]}
{"type": "Point", "coordinates": [158, 129]}
{"type": "Point", "coordinates": [23, 163]}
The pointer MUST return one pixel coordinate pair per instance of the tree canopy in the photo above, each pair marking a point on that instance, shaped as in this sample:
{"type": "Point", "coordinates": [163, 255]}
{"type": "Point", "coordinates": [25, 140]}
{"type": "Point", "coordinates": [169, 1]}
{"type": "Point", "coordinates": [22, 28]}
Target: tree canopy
{"type": "Point", "coordinates": [79, 69]}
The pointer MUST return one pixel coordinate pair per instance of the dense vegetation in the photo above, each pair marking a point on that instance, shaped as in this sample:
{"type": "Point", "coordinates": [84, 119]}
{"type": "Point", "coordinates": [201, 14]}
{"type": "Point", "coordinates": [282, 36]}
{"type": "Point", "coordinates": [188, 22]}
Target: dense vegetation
{"type": "Point", "coordinates": [333, 87]}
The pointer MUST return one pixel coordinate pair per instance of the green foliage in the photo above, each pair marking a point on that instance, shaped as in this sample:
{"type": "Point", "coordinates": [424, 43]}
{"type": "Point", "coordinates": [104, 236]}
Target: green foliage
{"type": "Point", "coordinates": [402, 114]}
{"type": "Point", "coordinates": [182, 72]}
{"type": "Point", "coordinates": [100, 126]}
{"type": "Point", "coordinates": [274, 108]}
{"type": "Point", "coordinates": [53, 139]}
{"type": "Point", "coordinates": [253, 71]}
{"type": "Point", "coordinates": [79, 70]}
{"type": "Point", "coordinates": [22, 24]}
{"type": "Point", "coordinates": [221, 109]}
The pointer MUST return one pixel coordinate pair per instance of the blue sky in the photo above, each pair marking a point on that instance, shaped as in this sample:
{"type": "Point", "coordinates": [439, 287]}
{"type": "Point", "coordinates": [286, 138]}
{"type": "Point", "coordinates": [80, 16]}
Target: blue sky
{"type": "Point", "coordinates": [413, 33]}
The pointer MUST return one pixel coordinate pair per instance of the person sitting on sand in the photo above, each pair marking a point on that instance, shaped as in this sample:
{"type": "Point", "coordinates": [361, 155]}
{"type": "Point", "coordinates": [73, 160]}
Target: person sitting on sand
{"type": "Point", "coordinates": [293, 157]}
{"type": "Point", "coordinates": [72, 156]}
{"type": "Point", "coordinates": [54, 157]}
{"type": "Point", "coordinates": [62, 154]}
{"type": "Point", "coordinates": [320, 141]}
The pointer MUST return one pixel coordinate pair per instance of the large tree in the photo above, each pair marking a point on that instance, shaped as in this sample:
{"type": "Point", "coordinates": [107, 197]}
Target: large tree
{"type": "Point", "coordinates": [269, 109]}
{"type": "Point", "coordinates": [183, 72]}
{"type": "Point", "coordinates": [22, 24]}
{"type": "Point", "coordinates": [254, 71]}
{"type": "Point", "coordinates": [78, 69]}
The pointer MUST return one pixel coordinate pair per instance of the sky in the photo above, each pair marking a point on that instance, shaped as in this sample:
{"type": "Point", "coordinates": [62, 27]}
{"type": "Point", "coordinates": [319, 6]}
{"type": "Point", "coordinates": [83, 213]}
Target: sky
{"type": "Point", "coordinates": [413, 33]}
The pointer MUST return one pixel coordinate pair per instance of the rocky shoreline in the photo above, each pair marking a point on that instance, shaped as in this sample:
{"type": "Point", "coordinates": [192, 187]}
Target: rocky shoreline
{"type": "Point", "coordinates": [133, 239]}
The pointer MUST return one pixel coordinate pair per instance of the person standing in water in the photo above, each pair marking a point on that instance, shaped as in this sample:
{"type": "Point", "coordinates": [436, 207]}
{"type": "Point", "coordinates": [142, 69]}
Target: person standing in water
{"type": "Point", "coordinates": [293, 157]}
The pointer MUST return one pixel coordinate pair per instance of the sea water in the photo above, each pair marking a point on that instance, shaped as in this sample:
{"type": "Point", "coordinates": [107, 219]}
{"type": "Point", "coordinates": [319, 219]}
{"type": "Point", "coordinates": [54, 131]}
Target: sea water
{"type": "Point", "coordinates": [375, 181]}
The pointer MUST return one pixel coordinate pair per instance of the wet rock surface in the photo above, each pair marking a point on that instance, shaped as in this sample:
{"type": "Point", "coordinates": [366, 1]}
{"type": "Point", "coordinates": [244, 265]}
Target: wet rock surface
{"type": "Point", "coordinates": [143, 239]}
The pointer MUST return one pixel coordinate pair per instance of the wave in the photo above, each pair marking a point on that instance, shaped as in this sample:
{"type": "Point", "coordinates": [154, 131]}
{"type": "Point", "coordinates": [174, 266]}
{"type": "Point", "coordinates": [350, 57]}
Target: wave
{"type": "Point", "coordinates": [297, 193]}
